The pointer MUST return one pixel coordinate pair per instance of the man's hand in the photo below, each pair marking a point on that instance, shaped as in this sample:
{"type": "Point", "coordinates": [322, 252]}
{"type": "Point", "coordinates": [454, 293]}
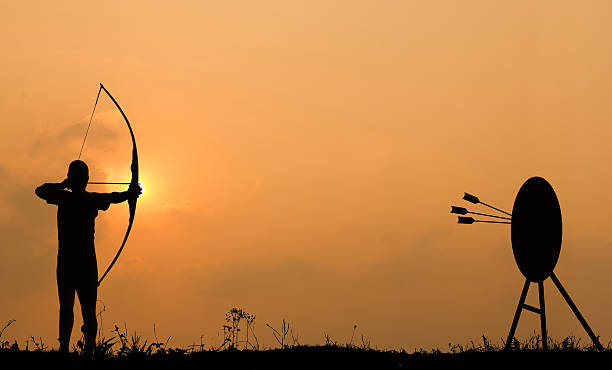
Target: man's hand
{"type": "Point", "coordinates": [50, 191]}
{"type": "Point", "coordinates": [134, 191]}
{"type": "Point", "coordinates": [65, 184]}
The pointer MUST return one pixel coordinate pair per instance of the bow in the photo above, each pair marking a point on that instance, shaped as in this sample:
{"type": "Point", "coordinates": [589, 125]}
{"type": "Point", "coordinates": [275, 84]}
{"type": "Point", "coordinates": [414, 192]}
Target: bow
{"type": "Point", "coordinates": [133, 182]}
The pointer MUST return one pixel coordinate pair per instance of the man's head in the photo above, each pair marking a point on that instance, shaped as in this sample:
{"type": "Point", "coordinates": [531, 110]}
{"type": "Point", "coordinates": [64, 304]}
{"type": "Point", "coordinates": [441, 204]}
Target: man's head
{"type": "Point", "coordinates": [78, 175]}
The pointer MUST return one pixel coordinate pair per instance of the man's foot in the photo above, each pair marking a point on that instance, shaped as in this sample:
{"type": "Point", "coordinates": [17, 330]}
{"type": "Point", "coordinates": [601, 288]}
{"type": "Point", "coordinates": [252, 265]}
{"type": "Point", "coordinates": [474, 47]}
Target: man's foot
{"type": "Point", "coordinates": [63, 349]}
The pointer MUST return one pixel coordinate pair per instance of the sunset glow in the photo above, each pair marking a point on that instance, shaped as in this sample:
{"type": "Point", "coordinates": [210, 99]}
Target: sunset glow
{"type": "Point", "coordinates": [299, 160]}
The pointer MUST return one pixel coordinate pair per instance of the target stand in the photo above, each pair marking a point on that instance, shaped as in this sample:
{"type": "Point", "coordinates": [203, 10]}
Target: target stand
{"type": "Point", "coordinates": [542, 312]}
{"type": "Point", "coordinates": [536, 233]}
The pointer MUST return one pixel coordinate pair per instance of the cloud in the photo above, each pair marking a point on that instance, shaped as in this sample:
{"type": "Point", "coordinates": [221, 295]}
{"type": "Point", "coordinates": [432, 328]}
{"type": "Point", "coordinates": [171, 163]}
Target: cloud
{"type": "Point", "coordinates": [65, 138]}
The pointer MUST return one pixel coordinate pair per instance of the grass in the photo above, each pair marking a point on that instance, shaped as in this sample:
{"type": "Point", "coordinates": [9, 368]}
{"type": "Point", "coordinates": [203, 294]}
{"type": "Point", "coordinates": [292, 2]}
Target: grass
{"type": "Point", "coordinates": [241, 349]}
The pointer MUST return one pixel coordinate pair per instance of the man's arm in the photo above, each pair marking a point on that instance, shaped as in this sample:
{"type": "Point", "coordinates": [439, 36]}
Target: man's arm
{"type": "Point", "coordinates": [118, 197]}
{"type": "Point", "coordinates": [51, 191]}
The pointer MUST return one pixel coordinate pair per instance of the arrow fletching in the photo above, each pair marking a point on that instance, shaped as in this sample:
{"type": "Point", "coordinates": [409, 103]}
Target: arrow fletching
{"type": "Point", "coordinates": [459, 210]}
{"type": "Point", "coordinates": [465, 220]}
{"type": "Point", "coordinates": [471, 198]}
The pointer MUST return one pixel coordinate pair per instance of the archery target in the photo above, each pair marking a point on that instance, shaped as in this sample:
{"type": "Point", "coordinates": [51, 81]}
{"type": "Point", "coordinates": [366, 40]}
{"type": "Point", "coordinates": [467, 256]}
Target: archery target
{"type": "Point", "coordinates": [536, 229]}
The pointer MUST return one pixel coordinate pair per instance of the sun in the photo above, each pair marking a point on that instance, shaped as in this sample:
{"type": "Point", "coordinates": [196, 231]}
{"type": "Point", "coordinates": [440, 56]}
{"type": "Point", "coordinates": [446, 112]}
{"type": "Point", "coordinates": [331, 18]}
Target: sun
{"type": "Point", "coordinates": [142, 187]}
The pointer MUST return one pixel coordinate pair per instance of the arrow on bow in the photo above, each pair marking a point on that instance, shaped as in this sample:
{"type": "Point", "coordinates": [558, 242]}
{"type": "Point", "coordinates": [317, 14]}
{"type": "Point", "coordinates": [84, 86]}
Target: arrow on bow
{"type": "Point", "coordinates": [134, 181]}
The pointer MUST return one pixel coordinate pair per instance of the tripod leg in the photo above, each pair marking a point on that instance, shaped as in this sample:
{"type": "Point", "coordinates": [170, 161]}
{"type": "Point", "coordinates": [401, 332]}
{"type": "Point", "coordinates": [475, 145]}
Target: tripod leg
{"type": "Point", "coordinates": [517, 315]}
{"type": "Point", "coordinates": [576, 312]}
{"type": "Point", "coordinates": [542, 315]}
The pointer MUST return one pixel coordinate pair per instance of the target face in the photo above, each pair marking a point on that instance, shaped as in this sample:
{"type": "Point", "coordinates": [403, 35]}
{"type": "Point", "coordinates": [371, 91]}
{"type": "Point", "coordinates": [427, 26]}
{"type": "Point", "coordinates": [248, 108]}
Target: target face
{"type": "Point", "coordinates": [536, 229]}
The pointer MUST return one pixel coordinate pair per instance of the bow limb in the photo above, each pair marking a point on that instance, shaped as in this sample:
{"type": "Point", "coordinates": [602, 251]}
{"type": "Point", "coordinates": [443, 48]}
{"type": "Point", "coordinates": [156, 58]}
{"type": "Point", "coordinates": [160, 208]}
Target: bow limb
{"type": "Point", "coordinates": [134, 182]}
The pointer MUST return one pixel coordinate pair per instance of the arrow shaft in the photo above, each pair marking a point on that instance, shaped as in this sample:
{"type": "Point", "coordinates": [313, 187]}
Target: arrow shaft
{"type": "Point", "coordinates": [493, 222]}
{"type": "Point", "coordinates": [487, 215]}
{"type": "Point", "coordinates": [497, 209]}
{"type": "Point", "coordinates": [109, 183]}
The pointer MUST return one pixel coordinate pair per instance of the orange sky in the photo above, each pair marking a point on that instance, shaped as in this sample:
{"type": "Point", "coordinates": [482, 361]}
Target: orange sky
{"type": "Point", "coordinates": [300, 158]}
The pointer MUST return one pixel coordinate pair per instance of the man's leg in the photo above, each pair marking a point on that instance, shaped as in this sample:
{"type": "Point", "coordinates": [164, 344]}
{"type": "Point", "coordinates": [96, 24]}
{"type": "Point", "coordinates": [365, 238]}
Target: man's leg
{"type": "Point", "coordinates": [65, 292]}
{"type": "Point", "coordinates": [88, 294]}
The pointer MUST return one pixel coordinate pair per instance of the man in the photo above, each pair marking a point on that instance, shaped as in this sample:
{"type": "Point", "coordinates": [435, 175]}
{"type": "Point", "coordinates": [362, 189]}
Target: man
{"type": "Point", "coordinates": [77, 268]}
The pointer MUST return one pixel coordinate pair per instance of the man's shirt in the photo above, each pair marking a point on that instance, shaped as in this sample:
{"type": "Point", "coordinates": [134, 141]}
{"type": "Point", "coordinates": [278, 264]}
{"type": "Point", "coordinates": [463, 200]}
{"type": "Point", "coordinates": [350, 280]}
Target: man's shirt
{"type": "Point", "coordinates": [76, 213]}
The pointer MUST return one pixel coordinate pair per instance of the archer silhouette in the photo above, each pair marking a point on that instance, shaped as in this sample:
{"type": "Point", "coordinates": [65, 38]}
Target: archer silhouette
{"type": "Point", "coordinates": [77, 268]}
